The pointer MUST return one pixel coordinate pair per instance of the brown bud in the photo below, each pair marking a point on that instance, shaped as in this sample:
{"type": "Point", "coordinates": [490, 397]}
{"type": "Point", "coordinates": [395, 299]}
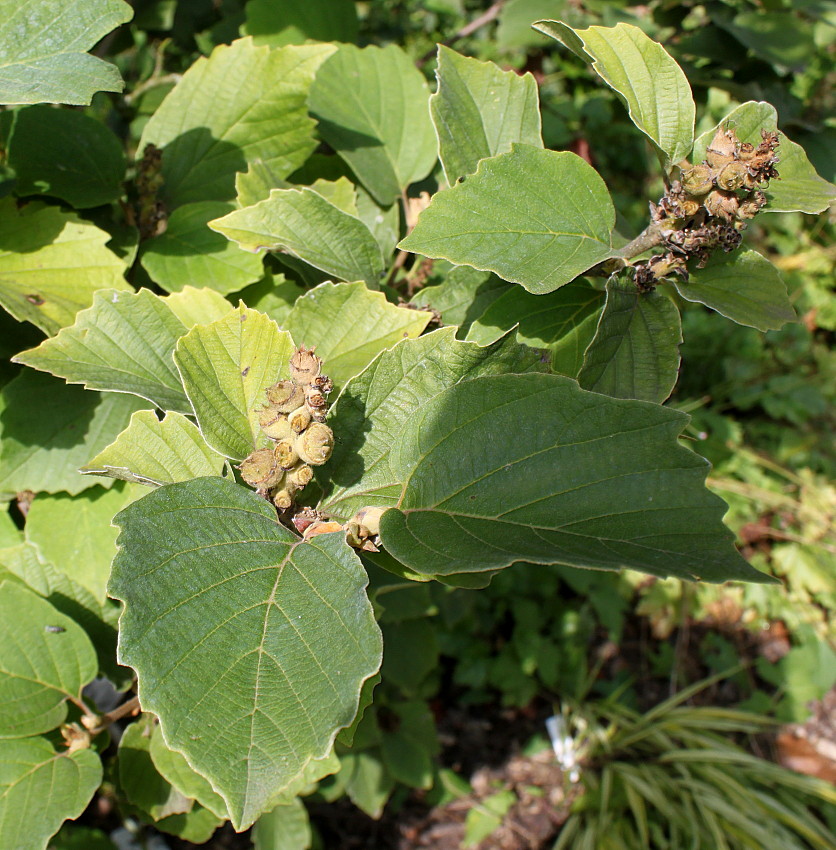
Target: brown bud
{"type": "Point", "coordinates": [745, 152]}
{"type": "Point", "coordinates": [274, 425]}
{"type": "Point", "coordinates": [722, 204]}
{"type": "Point", "coordinates": [299, 419]}
{"type": "Point", "coordinates": [323, 383]}
{"type": "Point", "coordinates": [300, 476]}
{"type": "Point", "coordinates": [304, 365]}
{"type": "Point", "coordinates": [698, 180]}
{"type": "Point", "coordinates": [732, 176]}
{"type": "Point", "coordinates": [315, 444]}
{"type": "Point", "coordinates": [286, 454]}
{"type": "Point", "coordinates": [261, 470]}
{"type": "Point", "coordinates": [285, 396]}
{"type": "Point", "coordinates": [721, 150]}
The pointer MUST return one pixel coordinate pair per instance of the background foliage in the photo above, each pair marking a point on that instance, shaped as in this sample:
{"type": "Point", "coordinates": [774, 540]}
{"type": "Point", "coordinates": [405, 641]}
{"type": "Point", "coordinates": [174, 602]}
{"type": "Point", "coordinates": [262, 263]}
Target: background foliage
{"type": "Point", "coordinates": [126, 292]}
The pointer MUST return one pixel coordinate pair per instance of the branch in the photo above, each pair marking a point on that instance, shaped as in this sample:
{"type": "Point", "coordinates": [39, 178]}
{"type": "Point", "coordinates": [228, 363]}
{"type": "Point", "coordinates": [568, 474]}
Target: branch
{"type": "Point", "coordinates": [486, 17]}
{"type": "Point", "coordinates": [649, 238]}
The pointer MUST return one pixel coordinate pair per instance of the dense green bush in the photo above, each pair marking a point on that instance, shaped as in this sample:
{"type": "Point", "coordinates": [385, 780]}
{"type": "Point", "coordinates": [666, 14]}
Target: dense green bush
{"type": "Point", "coordinates": [509, 341]}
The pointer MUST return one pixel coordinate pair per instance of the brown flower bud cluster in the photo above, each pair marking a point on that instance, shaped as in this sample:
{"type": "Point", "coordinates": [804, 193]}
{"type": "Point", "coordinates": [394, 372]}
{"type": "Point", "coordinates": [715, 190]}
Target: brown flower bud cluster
{"type": "Point", "coordinates": [294, 420]}
{"type": "Point", "coordinates": [710, 206]}
{"type": "Point", "coordinates": [151, 217]}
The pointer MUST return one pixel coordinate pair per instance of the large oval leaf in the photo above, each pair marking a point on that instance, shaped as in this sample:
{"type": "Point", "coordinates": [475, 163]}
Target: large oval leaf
{"type": "Point", "coordinates": [371, 105]}
{"type": "Point", "coordinates": [54, 68]}
{"type": "Point", "coordinates": [242, 103]}
{"type": "Point", "coordinates": [532, 468]}
{"type": "Point", "coordinates": [644, 75]}
{"type": "Point", "coordinates": [374, 408]}
{"type": "Point", "coordinates": [350, 326]}
{"type": "Point", "coordinates": [152, 451]}
{"type": "Point", "coordinates": [123, 343]}
{"type": "Point", "coordinates": [744, 287]}
{"type": "Point", "coordinates": [479, 110]}
{"type": "Point", "coordinates": [48, 429]}
{"type": "Point", "coordinates": [226, 367]}
{"type": "Point", "coordinates": [45, 659]}
{"type": "Point", "coordinates": [51, 263]}
{"type": "Point", "coordinates": [304, 223]}
{"type": "Point", "coordinates": [635, 350]}
{"type": "Point", "coordinates": [250, 645]}
{"type": "Point", "coordinates": [41, 788]}
{"type": "Point", "coordinates": [535, 217]}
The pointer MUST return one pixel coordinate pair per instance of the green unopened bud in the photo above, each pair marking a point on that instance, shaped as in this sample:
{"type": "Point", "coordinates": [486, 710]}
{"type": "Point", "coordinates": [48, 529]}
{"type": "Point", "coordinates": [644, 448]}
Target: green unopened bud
{"type": "Point", "coordinates": [285, 396]}
{"type": "Point", "coordinates": [282, 499]}
{"type": "Point", "coordinates": [698, 180]}
{"type": "Point", "coordinates": [274, 424]}
{"type": "Point", "coordinates": [286, 454]}
{"type": "Point", "coordinates": [260, 469]}
{"type": "Point", "coordinates": [732, 176]}
{"type": "Point", "coordinates": [315, 444]}
{"type": "Point", "coordinates": [299, 419]}
{"type": "Point", "coordinates": [300, 476]}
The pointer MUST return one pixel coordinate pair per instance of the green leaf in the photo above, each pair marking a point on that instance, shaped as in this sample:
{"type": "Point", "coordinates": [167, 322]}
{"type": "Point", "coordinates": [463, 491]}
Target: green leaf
{"type": "Point", "coordinates": [195, 826]}
{"type": "Point", "coordinates": [311, 228]}
{"type": "Point", "coordinates": [479, 110]}
{"type": "Point", "coordinates": [10, 535]}
{"type": "Point", "coordinates": [98, 619]}
{"type": "Point", "coordinates": [45, 659]}
{"type": "Point", "coordinates": [292, 23]}
{"type": "Point", "coordinates": [51, 263]}
{"type": "Point", "coordinates": [371, 105]}
{"type": "Point", "coordinates": [123, 343]}
{"type": "Point", "coordinates": [483, 819]}
{"type": "Point", "coordinates": [635, 350]}
{"type": "Point", "coordinates": [800, 188]}
{"type": "Point", "coordinates": [73, 837]}
{"type": "Point", "coordinates": [285, 828]}
{"type": "Point", "coordinates": [280, 632]}
{"type": "Point", "coordinates": [375, 407]}
{"type": "Point", "coordinates": [407, 750]}
{"type": "Point", "coordinates": [226, 366]}
{"type": "Point", "coordinates": [174, 768]}
{"type": "Point", "coordinates": [532, 468]}
{"type": "Point", "coordinates": [542, 320]}
{"type": "Point", "coordinates": [560, 227]}
{"type": "Point", "coordinates": [350, 326]}
{"type": "Point", "coordinates": [368, 784]}
{"type": "Point", "coordinates": [463, 295]}
{"type": "Point", "coordinates": [40, 788]}
{"type": "Point", "coordinates": [646, 78]}
{"type": "Point", "coordinates": [153, 452]}
{"type": "Point", "coordinates": [74, 532]}
{"type": "Point", "coordinates": [50, 429]}
{"type": "Point", "coordinates": [744, 287]}
{"type": "Point", "coordinates": [65, 154]}
{"type": "Point", "coordinates": [198, 306]}
{"type": "Point", "coordinates": [35, 68]}
{"type": "Point", "coordinates": [242, 103]}
{"type": "Point", "coordinates": [273, 295]}
{"type": "Point", "coordinates": [140, 780]}
{"type": "Point", "coordinates": [780, 38]}
{"type": "Point", "coordinates": [189, 253]}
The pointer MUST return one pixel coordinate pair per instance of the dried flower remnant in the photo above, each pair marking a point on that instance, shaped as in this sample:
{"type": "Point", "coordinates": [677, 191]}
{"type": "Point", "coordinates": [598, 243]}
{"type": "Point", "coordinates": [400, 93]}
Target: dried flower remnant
{"type": "Point", "coordinates": [710, 206]}
{"type": "Point", "coordinates": [293, 419]}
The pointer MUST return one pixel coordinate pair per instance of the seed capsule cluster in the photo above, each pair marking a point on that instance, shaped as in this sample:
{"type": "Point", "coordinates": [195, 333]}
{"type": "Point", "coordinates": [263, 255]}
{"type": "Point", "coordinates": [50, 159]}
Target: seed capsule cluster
{"type": "Point", "coordinates": [294, 420]}
{"type": "Point", "coordinates": [710, 206]}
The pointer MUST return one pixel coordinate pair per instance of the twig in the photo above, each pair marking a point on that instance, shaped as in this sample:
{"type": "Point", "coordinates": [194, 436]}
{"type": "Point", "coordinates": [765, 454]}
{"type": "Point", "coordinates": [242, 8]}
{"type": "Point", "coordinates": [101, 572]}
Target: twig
{"type": "Point", "coordinates": [468, 29]}
{"type": "Point", "coordinates": [129, 707]}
